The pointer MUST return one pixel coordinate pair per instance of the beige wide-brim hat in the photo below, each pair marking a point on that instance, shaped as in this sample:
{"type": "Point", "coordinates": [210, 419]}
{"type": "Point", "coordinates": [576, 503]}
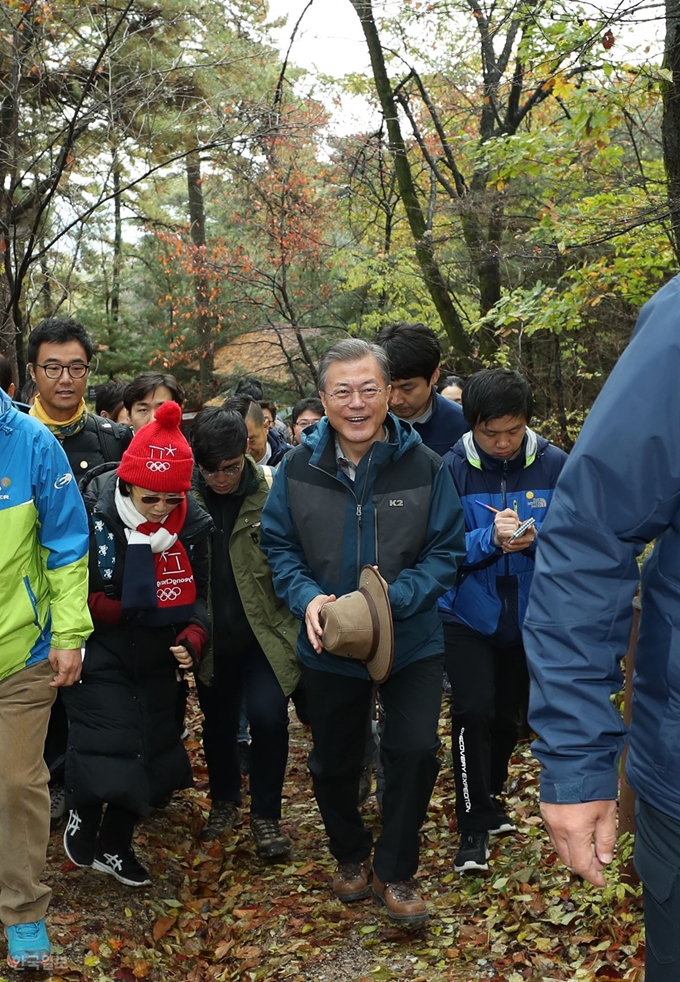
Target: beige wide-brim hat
{"type": "Point", "coordinates": [359, 625]}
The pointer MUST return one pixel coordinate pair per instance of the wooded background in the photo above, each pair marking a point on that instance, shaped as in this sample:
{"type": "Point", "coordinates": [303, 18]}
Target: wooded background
{"type": "Point", "coordinates": [163, 180]}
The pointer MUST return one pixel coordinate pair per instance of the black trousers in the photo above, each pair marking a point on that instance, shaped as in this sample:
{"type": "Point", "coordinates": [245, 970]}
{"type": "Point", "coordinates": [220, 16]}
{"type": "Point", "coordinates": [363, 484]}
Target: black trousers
{"type": "Point", "coordinates": [657, 860]}
{"type": "Point", "coordinates": [251, 674]}
{"type": "Point", "coordinates": [116, 827]}
{"type": "Point", "coordinates": [56, 740]}
{"type": "Point", "coordinates": [488, 689]}
{"type": "Point", "coordinates": [338, 707]}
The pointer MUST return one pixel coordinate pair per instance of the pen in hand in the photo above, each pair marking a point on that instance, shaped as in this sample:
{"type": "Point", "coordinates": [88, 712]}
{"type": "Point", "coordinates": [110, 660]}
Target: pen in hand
{"type": "Point", "coordinates": [496, 511]}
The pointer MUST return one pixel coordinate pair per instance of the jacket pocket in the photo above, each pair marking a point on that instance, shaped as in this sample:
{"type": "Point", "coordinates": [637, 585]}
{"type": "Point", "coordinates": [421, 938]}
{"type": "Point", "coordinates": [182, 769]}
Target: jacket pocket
{"type": "Point", "coordinates": [33, 600]}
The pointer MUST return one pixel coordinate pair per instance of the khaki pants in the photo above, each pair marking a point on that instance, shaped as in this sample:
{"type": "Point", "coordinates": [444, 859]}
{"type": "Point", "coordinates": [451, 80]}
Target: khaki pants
{"type": "Point", "coordinates": [25, 702]}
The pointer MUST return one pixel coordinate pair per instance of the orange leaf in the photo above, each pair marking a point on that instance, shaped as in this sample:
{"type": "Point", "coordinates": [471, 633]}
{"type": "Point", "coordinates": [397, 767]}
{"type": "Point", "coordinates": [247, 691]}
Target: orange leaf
{"type": "Point", "coordinates": [303, 870]}
{"type": "Point", "coordinates": [223, 948]}
{"type": "Point", "coordinates": [163, 925]}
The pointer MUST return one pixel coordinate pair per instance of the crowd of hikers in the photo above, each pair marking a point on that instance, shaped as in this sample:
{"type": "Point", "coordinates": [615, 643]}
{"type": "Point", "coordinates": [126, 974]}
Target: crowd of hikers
{"type": "Point", "coordinates": [354, 561]}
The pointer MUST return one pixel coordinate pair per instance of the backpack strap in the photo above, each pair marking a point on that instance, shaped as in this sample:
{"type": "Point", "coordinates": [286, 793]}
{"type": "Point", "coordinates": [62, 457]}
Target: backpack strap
{"type": "Point", "coordinates": [268, 473]}
{"type": "Point", "coordinates": [112, 438]}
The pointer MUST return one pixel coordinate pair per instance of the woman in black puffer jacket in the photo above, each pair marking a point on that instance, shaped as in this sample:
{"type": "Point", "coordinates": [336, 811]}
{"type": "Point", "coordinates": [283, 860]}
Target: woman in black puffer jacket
{"type": "Point", "coordinates": [148, 589]}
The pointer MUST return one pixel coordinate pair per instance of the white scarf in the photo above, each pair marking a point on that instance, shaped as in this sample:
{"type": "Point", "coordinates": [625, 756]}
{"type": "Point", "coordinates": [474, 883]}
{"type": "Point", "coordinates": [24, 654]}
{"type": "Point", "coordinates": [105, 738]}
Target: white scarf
{"type": "Point", "coordinates": [159, 541]}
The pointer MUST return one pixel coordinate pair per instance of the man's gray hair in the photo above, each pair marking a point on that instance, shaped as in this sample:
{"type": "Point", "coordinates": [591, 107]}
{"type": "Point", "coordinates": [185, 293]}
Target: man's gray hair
{"type": "Point", "coordinates": [353, 349]}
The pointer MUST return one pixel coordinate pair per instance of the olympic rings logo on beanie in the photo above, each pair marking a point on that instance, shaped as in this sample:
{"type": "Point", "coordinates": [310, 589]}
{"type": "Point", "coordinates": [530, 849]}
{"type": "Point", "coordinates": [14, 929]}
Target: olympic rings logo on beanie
{"type": "Point", "coordinates": [159, 457]}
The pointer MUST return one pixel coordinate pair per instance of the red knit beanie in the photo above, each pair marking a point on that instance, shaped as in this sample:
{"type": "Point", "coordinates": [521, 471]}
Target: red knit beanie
{"type": "Point", "coordinates": [159, 457]}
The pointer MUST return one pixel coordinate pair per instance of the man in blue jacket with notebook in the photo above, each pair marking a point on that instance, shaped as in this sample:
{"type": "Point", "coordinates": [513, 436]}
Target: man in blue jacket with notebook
{"type": "Point", "coordinates": [505, 474]}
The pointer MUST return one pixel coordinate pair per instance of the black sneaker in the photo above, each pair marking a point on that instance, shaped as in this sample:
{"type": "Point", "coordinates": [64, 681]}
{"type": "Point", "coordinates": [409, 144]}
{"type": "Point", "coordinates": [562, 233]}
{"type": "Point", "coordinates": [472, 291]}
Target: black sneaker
{"type": "Point", "coordinates": [503, 824]}
{"type": "Point", "coordinates": [223, 815]}
{"type": "Point", "coordinates": [270, 841]}
{"type": "Point", "coordinates": [473, 852]}
{"type": "Point", "coordinates": [80, 840]}
{"type": "Point", "coordinates": [123, 865]}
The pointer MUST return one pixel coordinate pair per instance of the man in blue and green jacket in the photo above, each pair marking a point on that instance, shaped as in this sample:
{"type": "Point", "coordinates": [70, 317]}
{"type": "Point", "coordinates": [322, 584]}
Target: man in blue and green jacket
{"type": "Point", "coordinates": [43, 596]}
{"type": "Point", "coordinates": [504, 474]}
{"type": "Point", "coordinates": [363, 489]}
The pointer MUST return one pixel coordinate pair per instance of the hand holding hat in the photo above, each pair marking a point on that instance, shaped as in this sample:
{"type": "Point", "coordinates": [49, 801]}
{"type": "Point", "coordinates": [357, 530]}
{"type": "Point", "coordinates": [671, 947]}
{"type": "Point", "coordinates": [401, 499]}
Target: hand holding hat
{"type": "Point", "coordinates": [312, 622]}
{"type": "Point", "coordinates": [359, 625]}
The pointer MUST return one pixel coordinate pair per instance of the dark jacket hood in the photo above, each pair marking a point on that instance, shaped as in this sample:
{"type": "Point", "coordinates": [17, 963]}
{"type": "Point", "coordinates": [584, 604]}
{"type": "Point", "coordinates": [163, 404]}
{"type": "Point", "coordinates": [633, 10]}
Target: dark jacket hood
{"type": "Point", "coordinates": [279, 447]}
{"type": "Point", "coordinates": [7, 410]}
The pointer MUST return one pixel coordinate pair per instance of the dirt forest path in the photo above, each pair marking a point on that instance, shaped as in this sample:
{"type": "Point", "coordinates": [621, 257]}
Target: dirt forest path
{"type": "Point", "coordinates": [216, 913]}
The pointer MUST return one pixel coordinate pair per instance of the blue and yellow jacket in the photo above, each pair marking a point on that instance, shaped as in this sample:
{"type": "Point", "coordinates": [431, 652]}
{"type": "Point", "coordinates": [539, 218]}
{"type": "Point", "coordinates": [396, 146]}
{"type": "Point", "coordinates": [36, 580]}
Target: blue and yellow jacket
{"type": "Point", "coordinates": [401, 513]}
{"type": "Point", "coordinates": [493, 587]}
{"type": "Point", "coordinates": [44, 535]}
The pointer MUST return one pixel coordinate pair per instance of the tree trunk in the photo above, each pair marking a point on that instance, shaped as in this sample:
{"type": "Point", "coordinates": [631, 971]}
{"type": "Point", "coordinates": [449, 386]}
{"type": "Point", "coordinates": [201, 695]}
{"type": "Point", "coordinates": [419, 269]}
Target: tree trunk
{"type": "Point", "coordinates": [117, 243]}
{"type": "Point", "coordinates": [204, 318]}
{"type": "Point", "coordinates": [8, 338]}
{"type": "Point", "coordinates": [432, 275]}
{"type": "Point", "coordinates": [670, 126]}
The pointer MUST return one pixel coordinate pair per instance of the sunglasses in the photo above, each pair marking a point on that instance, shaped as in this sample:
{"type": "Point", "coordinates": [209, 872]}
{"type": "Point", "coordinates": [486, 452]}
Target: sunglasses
{"type": "Point", "coordinates": [168, 499]}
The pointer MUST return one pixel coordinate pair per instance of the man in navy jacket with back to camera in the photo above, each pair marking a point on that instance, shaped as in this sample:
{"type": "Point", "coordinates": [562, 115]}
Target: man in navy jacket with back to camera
{"type": "Point", "coordinates": [504, 473]}
{"type": "Point", "coordinates": [362, 489]}
{"type": "Point", "coordinates": [619, 491]}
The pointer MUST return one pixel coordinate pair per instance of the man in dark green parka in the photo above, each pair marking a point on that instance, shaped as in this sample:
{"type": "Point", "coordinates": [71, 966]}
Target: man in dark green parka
{"type": "Point", "coordinates": [254, 637]}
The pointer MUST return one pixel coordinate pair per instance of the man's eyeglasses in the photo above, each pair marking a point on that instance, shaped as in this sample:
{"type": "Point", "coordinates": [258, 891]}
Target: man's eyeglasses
{"type": "Point", "coordinates": [54, 370]}
{"type": "Point", "coordinates": [343, 395]}
{"type": "Point", "coordinates": [232, 471]}
{"type": "Point", "coordinates": [302, 423]}
{"type": "Point", "coordinates": [168, 499]}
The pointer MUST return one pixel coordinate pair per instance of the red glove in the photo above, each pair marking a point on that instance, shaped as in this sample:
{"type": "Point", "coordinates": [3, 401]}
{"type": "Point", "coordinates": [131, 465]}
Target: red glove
{"type": "Point", "coordinates": [104, 608]}
{"type": "Point", "coordinates": [193, 637]}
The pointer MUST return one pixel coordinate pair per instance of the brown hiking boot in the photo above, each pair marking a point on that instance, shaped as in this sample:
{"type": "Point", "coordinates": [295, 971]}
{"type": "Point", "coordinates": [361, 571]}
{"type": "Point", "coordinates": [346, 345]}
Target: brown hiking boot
{"type": "Point", "coordinates": [351, 881]}
{"type": "Point", "coordinates": [403, 902]}
{"type": "Point", "coordinates": [270, 841]}
{"type": "Point", "coordinates": [223, 815]}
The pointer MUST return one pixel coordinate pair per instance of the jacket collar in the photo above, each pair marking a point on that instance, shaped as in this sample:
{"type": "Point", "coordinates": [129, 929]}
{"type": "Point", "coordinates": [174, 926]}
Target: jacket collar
{"type": "Point", "coordinates": [320, 441]}
{"type": "Point", "coordinates": [477, 458]}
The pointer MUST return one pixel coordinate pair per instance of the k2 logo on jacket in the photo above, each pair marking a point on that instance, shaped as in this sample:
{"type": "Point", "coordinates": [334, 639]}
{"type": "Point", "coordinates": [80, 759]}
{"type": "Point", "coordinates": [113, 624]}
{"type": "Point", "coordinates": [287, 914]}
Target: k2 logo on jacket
{"type": "Point", "coordinates": [396, 502]}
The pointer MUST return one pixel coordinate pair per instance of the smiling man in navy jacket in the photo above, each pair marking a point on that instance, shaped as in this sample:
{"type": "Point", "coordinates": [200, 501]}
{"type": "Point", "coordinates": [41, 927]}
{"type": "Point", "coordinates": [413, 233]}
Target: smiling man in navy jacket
{"type": "Point", "coordinates": [362, 489]}
{"type": "Point", "coordinates": [414, 354]}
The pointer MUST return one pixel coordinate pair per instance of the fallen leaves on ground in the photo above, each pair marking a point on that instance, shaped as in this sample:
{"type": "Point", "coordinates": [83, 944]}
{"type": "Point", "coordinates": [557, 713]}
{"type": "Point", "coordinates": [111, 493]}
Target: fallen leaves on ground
{"type": "Point", "coordinates": [215, 913]}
